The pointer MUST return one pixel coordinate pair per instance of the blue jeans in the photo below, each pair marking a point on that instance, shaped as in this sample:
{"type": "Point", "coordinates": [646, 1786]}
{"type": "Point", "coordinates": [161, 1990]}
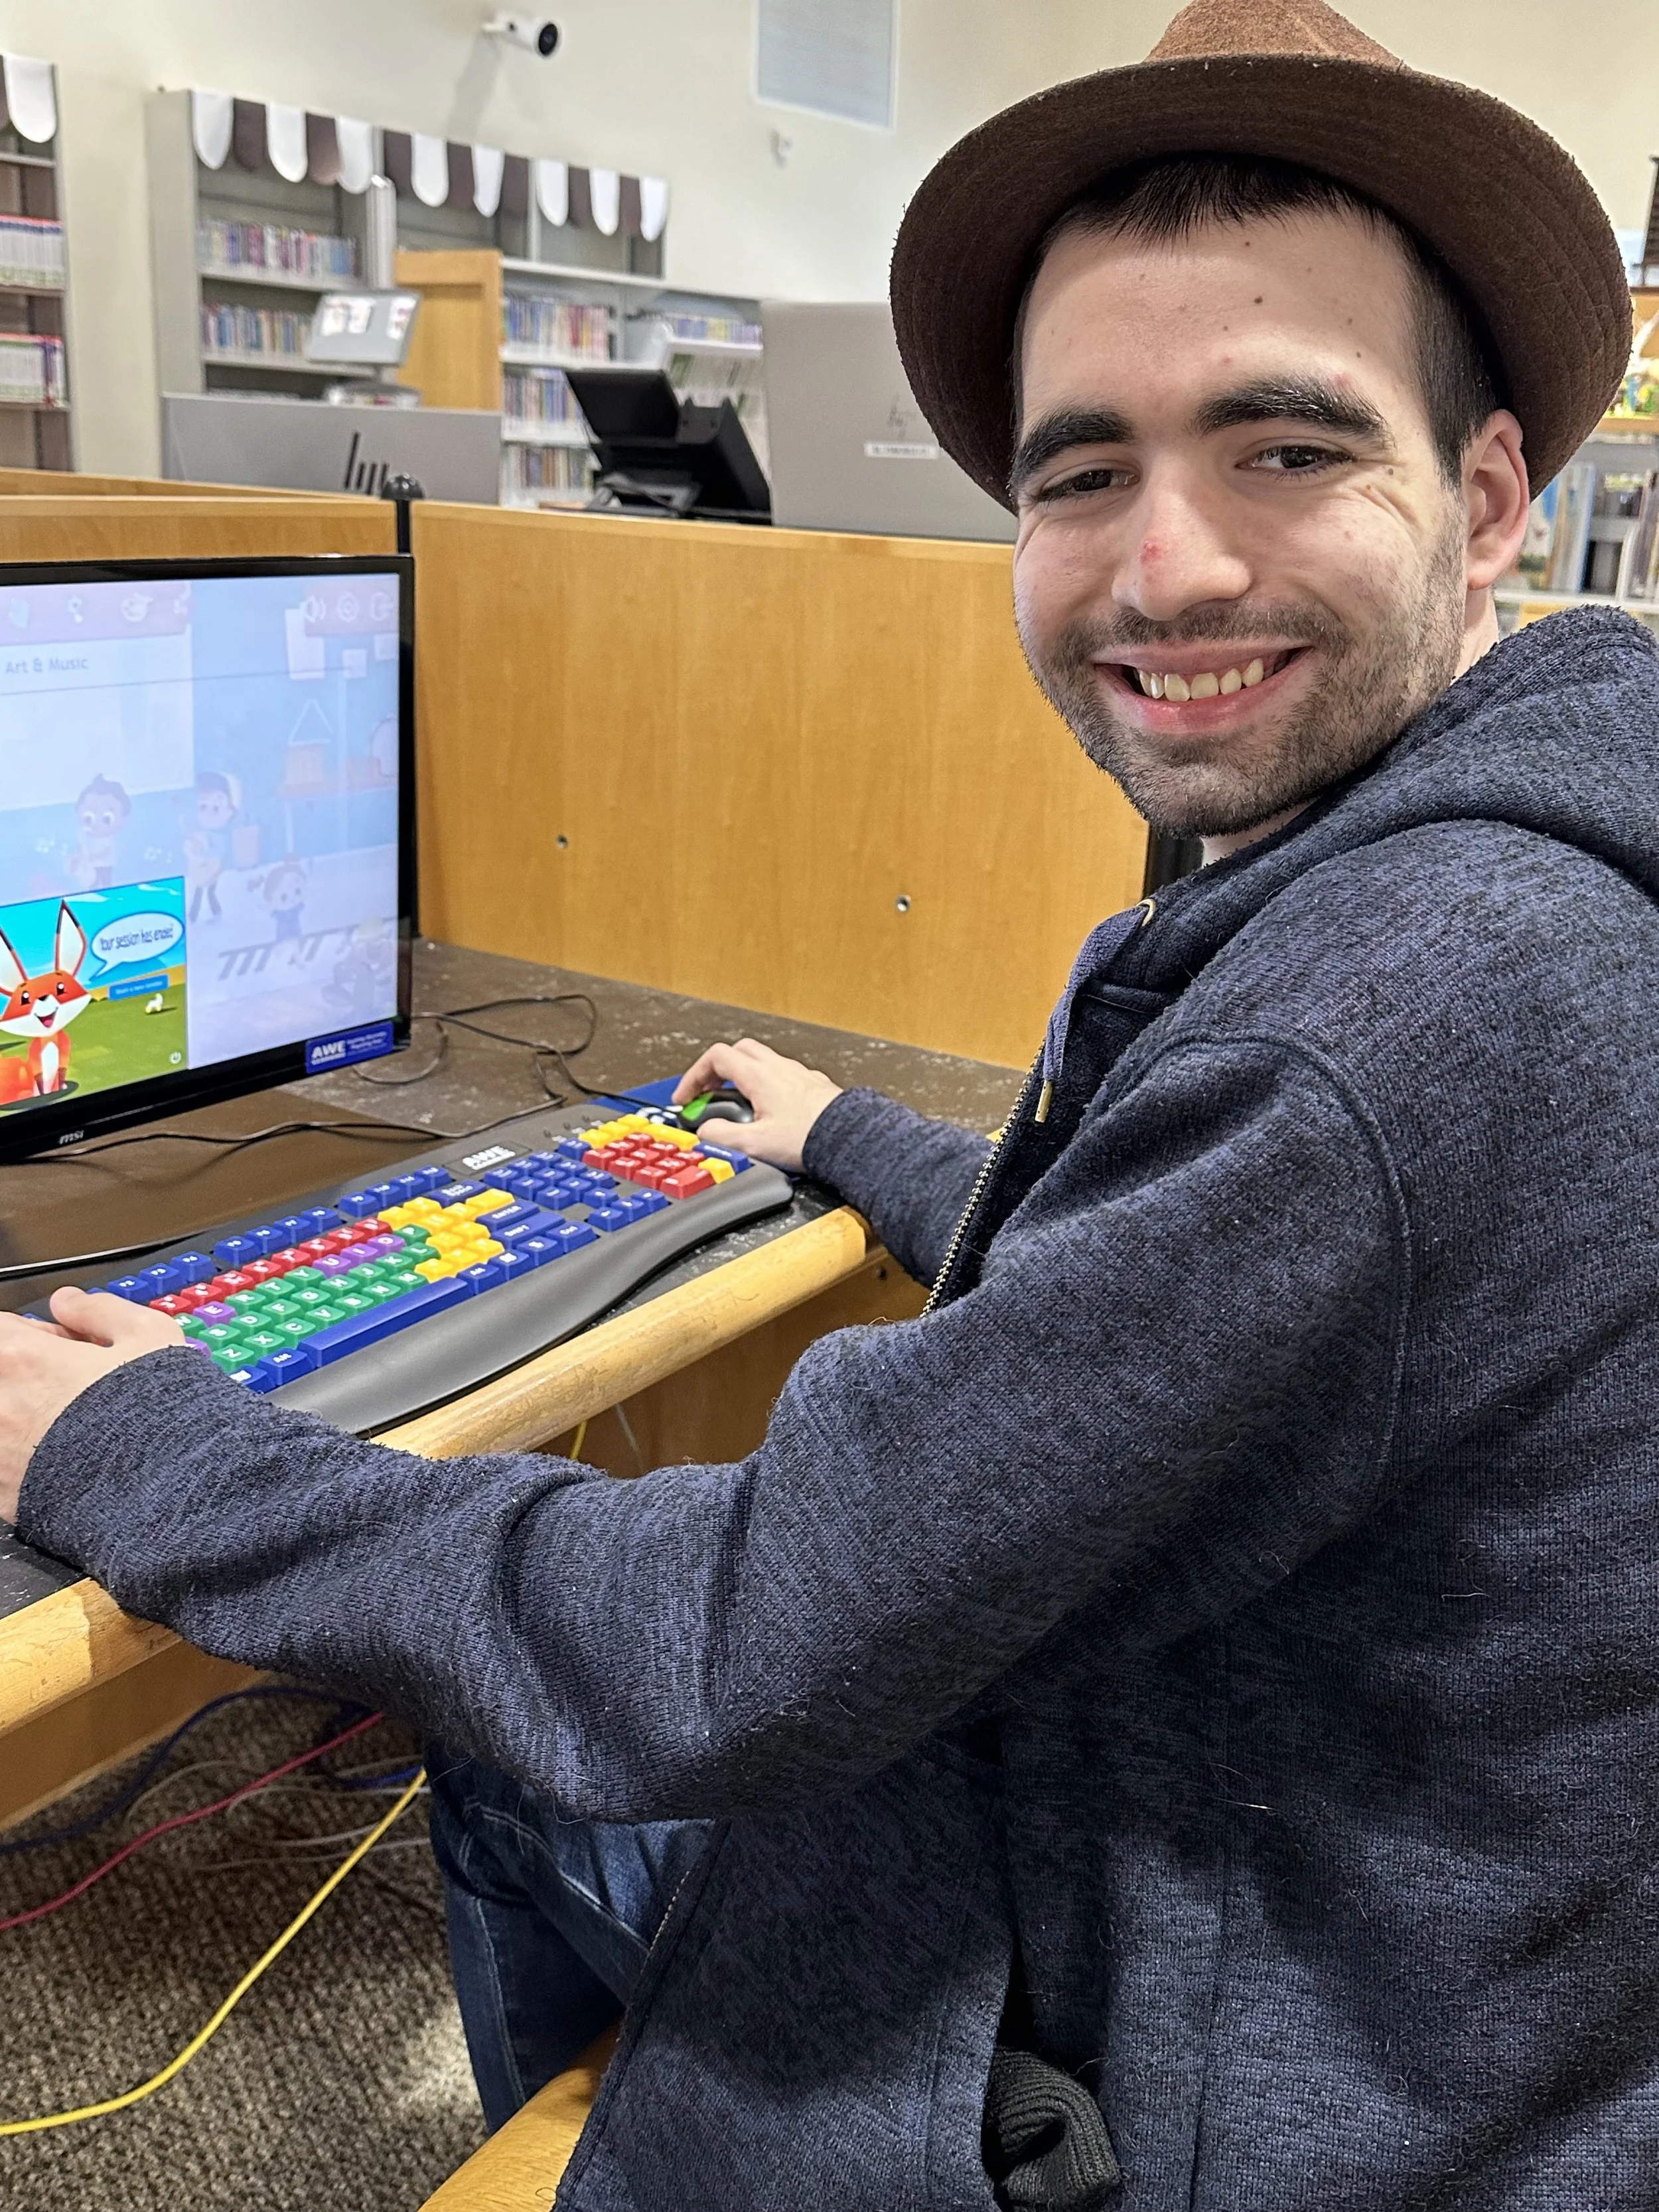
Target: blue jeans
{"type": "Point", "coordinates": [550, 1921]}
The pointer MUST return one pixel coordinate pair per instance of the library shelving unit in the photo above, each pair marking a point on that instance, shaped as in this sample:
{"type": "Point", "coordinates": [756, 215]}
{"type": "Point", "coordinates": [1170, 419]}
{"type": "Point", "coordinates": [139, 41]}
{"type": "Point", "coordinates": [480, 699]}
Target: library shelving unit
{"type": "Point", "coordinates": [36, 422]}
{"type": "Point", "coordinates": [240, 256]}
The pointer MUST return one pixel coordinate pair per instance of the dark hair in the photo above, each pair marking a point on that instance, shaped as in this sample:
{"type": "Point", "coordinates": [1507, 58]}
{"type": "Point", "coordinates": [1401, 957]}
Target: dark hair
{"type": "Point", "coordinates": [101, 787]}
{"type": "Point", "coordinates": [1166, 200]}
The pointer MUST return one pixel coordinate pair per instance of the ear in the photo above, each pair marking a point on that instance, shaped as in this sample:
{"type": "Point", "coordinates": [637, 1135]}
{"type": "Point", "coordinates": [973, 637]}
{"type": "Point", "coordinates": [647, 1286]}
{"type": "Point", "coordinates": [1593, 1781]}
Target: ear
{"type": "Point", "coordinates": [12, 976]}
{"type": "Point", "coordinates": [1498, 495]}
{"type": "Point", "coordinates": [70, 948]}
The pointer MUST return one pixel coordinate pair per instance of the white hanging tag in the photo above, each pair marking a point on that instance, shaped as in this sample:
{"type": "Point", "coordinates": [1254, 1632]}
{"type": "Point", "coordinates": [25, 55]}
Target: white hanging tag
{"type": "Point", "coordinates": [30, 99]}
{"type": "Point", "coordinates": [605, 192]}
{"type": "Point", "coordinates": [356, 152]}
{"type": "Point", "coordinates": [285, 139]}
{"type": "Point", "coordinates": [429, 169]}
{"type": "Point", "coordinates": [488, 163]}
{"type": "Point", "coordinates": [553, 191]}
{"type": "Point", "coordinates": [209, 127]}
{"type": "Point", "coordinates": [653, 208]}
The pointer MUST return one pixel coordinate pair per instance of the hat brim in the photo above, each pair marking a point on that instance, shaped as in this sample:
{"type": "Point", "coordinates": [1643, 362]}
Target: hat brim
{"type": "Point", "coordinates": [1506, 207]}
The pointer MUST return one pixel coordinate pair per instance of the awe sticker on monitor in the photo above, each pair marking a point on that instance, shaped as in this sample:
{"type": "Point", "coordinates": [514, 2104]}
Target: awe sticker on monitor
{"type": "Point", "coordinates": [366, 1043]}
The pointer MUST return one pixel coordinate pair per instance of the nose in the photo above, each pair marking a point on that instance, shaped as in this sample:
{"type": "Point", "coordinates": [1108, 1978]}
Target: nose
{"type": "Point", "coordinates": [1178, 554]}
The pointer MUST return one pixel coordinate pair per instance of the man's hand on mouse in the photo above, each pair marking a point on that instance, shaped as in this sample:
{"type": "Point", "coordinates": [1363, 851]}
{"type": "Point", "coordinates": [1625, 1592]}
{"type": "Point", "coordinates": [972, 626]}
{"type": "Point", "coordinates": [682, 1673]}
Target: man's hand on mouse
{"type": "Point", "coordinates": [44, 1367]}
{"type": "Point", "coordinates": [788, 1099]}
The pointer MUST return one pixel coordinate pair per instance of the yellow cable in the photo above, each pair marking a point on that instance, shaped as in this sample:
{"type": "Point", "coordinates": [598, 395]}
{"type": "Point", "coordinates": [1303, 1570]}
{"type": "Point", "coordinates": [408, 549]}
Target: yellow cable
{"type": "Point", "coordinates": [579, 1440]}
{"type": "Point", "coordinates": [177, 2065]}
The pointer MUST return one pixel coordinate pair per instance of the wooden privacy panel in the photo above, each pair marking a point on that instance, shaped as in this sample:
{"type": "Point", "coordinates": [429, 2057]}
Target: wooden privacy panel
{"type": "Point", "coordinates": [111, 528]}
{"type": "Point", "coordinates": [40, 482]}
{"type": "Point", "coordinates": [807, 773]}
{"type": "Point", "coordinates": [455, 348]}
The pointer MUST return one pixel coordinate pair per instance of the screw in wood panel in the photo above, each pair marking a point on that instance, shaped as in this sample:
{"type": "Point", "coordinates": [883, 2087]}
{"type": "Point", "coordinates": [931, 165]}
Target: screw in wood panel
{"type": "Point", "coordinates": [564, 844]}
{"type": "Point", "coordinates": [902, 902]}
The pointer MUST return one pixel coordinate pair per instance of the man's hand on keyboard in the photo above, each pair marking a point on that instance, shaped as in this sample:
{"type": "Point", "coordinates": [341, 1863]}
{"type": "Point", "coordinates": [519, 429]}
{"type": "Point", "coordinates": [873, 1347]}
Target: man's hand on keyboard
{"type": "Point", "coordinates": [42, 1368]}
{"type": "Point", "coordinates": [788, 1099]}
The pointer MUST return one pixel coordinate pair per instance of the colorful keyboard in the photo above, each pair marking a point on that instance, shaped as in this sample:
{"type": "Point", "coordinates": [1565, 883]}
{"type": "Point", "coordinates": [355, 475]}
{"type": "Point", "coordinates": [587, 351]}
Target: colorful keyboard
{"type": "Point", "coordinates": [373, 1304]}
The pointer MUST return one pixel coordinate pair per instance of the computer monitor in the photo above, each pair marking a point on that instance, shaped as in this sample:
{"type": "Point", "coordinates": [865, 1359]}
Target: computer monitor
{"type": "Point", "coordinates": [303, 445]}
{"type": "Point", "coordinates": [658, 454]}
{"type": "Point", "coordinates": [206, 832]}
{"type": "Point", "coordinates": [850, 448]}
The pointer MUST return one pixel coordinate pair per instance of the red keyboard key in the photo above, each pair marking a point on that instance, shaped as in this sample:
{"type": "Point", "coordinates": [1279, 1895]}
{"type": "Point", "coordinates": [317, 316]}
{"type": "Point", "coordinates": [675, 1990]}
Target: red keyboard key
{"type": "Point", "coordinates": [291, 1257]}
{"type": "Point", "coordinates": [265, 1271]}
{"type": "Point", "coordinates": [335, 1240]}
{"type": "Point", "coordinates": [317, 1248]}
{"type": "Point", "coordinates": [239, 1279]}
{"type": "Point", "coordinates": [651, 1174]}
{"type": "Point", "coordinates": [178, 1306]}
{"type": "Point", "coordinates": [687, 1182]}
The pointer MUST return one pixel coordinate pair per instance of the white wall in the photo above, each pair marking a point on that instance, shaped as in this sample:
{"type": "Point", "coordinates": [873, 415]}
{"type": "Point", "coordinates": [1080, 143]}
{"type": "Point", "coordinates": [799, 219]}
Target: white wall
{"type": "Point", "coordinates": [657, 86]}
{"type": "Point", "coordinates": [663, 87]}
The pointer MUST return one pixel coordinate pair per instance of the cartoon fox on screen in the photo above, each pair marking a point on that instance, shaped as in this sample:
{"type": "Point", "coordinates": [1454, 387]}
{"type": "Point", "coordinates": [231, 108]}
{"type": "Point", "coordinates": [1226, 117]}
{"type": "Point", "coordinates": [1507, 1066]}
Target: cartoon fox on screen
{"type": "Point", "coordinates": [41, 1008]}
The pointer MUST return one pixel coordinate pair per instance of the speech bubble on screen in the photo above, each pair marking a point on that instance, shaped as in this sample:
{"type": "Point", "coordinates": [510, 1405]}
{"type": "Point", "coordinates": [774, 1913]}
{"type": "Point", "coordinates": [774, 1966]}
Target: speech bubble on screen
{"type": "Point", "coordinates": [136, 937]}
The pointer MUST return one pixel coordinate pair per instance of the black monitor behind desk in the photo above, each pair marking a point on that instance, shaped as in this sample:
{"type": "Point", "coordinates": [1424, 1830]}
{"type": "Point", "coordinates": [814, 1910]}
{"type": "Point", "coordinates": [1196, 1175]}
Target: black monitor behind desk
{"type": "Point", "coordinates": [165, 1189]}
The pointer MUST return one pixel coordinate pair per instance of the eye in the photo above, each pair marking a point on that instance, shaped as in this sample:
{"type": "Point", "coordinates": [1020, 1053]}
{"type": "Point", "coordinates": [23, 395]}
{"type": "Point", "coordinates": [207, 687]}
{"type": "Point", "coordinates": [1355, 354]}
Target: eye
{"type": "Point", "coordinates": [1095, 475]}
{"type": "Point", "coordinates": [1298, 460]}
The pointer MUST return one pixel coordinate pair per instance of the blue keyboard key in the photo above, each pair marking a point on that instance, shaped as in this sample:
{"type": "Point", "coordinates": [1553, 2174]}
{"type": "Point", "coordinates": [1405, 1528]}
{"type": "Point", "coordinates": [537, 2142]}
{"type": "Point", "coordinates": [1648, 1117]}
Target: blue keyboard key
{"type": "Point", "coordinates": [736, 1161]}
{"type": "Point", "coordinates": [538, 1249]}
{"type": "Point", "coordinates": [360, 1330]}
{"type": "Point", "coordinates": [237, 1251]}
{"type": "Point", "coordinates": [321, 1219]}
{"type": "Point", "coordinates": [507, 1217]}
{"type": "Point", "coordinates": [131, 1287]}
{"type": "Point", "coordinates": [292, 1229]}
{"type": "Point", "coordinates": [287, 1365]}
{"type": "Point", "coordinates": [356, 1204]}
{"type": "Point", "coordinates": [161, 1280]}
{"type": "Point", "coordinates": [573, 1151]}
{"type": "Point", "coordinates": [426, 1179]}
{"type": "Point", "coordinates": [651, 1201]}
{"type": "Point", "coordinates": [484, 1276]}
{"type": "Point", "coordinates": [535, 1223]}
{"type": "Point", "coordinates": [511, 1262]}
{"type": "Point", "coordinates": [575, 1234]}
{"type": "Point", "coordinates": [265, 1376]}
{"type": "Point", "coordinates": [198, 1266]}
{"type": "Point", "coordinates": [610, 1217]}
{"type": "Point", "coordinates": [457, 1194]}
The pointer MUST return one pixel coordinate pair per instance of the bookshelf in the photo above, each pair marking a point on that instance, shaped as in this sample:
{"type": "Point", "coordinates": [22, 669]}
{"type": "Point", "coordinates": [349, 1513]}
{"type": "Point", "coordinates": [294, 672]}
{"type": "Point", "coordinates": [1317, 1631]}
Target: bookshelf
{"type": "Point", "coordinates": [557, 316]}
{"type": "Point", "coordinates": [36, 424]}
{"type": "Point", "coordinates": [239, 258]}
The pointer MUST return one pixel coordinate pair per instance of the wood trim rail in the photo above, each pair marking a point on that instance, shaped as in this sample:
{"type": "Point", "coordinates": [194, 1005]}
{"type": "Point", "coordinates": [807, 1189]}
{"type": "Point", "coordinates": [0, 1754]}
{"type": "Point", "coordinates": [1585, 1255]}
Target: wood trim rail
{"type": "Point", "coordinates": [68, 1643]}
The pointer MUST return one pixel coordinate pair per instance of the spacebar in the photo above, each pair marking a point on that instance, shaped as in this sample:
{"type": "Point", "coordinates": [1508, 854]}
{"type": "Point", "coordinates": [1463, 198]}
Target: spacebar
{"type": "Point", "coordinates": [437, 1358]}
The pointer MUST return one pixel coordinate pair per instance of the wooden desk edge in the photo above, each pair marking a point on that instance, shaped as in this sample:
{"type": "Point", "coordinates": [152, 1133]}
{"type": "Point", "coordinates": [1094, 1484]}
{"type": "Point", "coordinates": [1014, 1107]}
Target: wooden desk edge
{"type": "Point", "coordinates": [66, 1643]}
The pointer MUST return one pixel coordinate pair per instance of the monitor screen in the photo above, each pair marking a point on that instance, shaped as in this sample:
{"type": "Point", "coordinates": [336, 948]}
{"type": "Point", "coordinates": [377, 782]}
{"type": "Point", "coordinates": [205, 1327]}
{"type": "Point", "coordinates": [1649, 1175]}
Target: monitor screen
{"type": "Point", "coordinates": [206, 832]}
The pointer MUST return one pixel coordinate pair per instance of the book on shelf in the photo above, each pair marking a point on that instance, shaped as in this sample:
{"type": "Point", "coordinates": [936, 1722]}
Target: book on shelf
{"type": "Point", "coordinates": [708, 330]}
{"type": "Point", "coordinates": [31, 252]}
{"type": "Point", "coordinates": [553, 476]}
{"type": "Point", "coordinates": [537, 396]}
{"type": "Point", "coordinates": [547, 324]}
{"type": "Point", "coordinates": [1594, 530]}
{"type": "Point", "coordinates": [231, 329]}
{"type": "Point", "coordinates": [32, 370]}
{"type": "Point", "coordinates": [223, 247]}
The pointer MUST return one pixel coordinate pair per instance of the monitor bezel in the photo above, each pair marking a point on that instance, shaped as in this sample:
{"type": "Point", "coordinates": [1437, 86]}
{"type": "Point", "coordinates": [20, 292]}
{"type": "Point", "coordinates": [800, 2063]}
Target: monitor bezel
{"type": "Point", "coordinates": [26, 1131]}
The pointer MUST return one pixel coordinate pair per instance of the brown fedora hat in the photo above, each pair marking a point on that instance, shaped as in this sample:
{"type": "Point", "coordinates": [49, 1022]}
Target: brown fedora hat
{"type": "Point", "coordinates": [1505, 207]}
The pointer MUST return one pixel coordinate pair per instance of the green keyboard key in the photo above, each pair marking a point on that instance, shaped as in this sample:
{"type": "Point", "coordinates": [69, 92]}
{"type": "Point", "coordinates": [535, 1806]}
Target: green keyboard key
{"type": "Point", "coordinates": [301, 1327]}
{"type": "Point", "coordinates": [258, 1341]}
{"type": "Point", "coordinates": [275, 1310]}
{"type": "Point", "coordinates": [232, 1363]}
{"type": "Point", "coordinates": [220, 1336]}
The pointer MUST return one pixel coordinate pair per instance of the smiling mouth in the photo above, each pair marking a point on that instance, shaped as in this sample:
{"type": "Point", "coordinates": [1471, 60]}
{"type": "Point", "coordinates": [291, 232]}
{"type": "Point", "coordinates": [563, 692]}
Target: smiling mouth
{"type": "Point", "coordinates": [1222, 680]}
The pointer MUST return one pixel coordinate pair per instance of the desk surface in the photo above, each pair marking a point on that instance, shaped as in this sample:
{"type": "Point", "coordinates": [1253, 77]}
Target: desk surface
{"type": "Point", "coordinates": [155, 1187]}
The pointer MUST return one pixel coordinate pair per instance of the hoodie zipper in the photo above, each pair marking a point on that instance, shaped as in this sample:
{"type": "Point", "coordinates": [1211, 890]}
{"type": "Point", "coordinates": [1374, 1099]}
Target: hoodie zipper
{"type": "Point", "coordinates": [958, 1235]}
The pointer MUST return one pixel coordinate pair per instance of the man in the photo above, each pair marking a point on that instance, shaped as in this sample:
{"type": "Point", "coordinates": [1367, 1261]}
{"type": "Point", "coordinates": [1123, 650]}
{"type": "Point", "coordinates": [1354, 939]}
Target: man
{"type": "Point", "coordinates": [1193, 1697]}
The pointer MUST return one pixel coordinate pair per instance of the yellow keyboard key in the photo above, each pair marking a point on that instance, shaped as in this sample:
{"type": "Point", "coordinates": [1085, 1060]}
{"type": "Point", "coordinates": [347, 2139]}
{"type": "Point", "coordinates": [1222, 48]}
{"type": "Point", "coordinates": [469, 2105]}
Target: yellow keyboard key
{"type": "Point", "coordinates": [722, 1171]}
{"type": "Point", "coordinates": [486, 1250]}
{"type": "Point", "coordinates": [488, 1201]}
{"type": "Point", "coordinates": [435, 1270]}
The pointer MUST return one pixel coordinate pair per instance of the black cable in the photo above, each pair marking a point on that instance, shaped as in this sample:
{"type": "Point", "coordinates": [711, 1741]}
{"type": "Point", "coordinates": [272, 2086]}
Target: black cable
{"type": "Point", "coordinates": [455, 1017]}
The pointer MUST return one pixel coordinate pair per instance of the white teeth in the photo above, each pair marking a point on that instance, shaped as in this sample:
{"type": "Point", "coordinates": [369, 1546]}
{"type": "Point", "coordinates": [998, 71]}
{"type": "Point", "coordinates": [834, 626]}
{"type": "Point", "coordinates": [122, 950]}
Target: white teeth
{"type": "Point", "coordinates": [1231, 682]}
{"type": "Point", "coordinates": [1155, 685]}
{"type": "Point", "coordinates": [1177, 688]}
{"type": "Point", "coordinates": [1254, 674]}
{"type": "Point", "coordinates": [1207, 684]}
{"type": "Point", "coordinates": [1205, 687]}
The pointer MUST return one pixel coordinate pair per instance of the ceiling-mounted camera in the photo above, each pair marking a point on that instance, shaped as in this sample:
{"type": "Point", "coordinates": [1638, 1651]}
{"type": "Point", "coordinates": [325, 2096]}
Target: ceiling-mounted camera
{"type": "Point", "coordinates": [539, 33]}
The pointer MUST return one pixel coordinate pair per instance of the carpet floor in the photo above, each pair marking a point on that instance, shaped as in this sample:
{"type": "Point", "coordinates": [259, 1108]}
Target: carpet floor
{"type": "Point", "coordinates": [339, 2084]}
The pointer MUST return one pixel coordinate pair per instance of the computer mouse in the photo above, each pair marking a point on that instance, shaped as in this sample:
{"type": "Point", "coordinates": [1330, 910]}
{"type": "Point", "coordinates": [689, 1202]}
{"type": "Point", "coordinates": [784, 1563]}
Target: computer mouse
{"type": "Point", "coordinates": [725, 1104]}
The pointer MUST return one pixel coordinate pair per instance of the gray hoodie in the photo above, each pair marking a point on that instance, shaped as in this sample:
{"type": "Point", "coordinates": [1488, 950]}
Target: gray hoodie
{"type": "Point", "coordinates": [1236, 1600]}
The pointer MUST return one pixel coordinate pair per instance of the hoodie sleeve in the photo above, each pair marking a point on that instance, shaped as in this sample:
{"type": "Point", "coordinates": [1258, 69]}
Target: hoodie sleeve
{"type": "Point", "coordinates": [1175, 1380]}
{"type": "Point", "coordinates": [908, 1176]}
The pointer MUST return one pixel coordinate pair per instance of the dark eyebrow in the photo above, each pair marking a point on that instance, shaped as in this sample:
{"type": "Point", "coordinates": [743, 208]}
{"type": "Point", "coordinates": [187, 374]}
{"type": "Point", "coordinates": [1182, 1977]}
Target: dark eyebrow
{"type": "Point", "coordinates": [1293, 399]}
{"type": "Point", "coordinates": [1058, 433]}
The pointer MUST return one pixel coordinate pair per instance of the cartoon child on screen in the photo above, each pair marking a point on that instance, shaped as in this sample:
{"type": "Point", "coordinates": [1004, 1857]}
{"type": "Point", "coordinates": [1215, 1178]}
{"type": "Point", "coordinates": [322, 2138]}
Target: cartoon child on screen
{"type": "Point", "coordinates": [218, 801]}
{"type": "Point", "coordinates": [284, 888]}
{"type": "Point", "coordinates": [101, 812]}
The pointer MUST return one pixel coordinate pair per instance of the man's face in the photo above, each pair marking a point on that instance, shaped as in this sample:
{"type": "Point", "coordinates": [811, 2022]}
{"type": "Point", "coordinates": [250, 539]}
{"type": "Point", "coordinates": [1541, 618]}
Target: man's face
{"type": "Point", "coordinates": [1228, 496]}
